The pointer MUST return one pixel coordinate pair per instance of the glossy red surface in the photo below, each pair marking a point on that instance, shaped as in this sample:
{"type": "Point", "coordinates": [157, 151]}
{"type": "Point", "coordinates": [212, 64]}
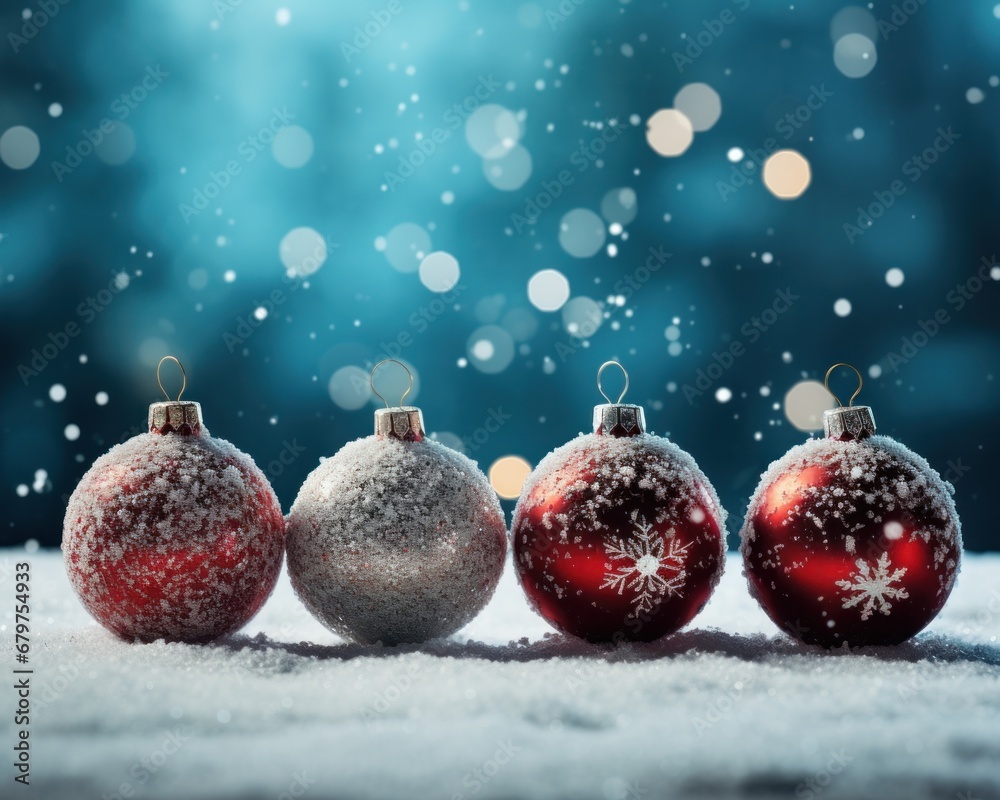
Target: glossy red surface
{"type": "Point", "coordinates": [624, 564]}
{"type": "Point", "coordinates": [874, 573]}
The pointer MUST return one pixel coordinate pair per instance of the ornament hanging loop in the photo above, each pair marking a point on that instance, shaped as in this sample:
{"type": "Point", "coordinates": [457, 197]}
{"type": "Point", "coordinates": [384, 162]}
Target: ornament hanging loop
{"type": "Point", "coordinates": [826, 383]}
{"type": "Point", "coordinates": [408, 375]}
{"type": "Point", "coordinates": [184, 380]}
{"type": "Point", "coordinates": [603, 367]}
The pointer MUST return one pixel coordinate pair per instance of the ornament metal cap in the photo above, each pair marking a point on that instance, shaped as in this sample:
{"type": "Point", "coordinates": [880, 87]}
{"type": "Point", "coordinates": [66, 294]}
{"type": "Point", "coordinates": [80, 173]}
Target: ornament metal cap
{"type": "Point", "coordinates": [617, 418]}
{"type": "Point", "coordinates": [403, 422]}
{"type": "Point", "coordinates": [400, 422]}
{"type": "Point", "coordinates": [174, 416]}
{"type": "Point", "coordinates": [849, 422]}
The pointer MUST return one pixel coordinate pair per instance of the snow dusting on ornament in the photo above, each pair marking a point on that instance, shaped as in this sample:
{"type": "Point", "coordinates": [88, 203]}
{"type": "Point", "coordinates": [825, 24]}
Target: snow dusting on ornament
{"type": "Point", "coordinates": [392, 541]}
{"type": "Point", "coordinates": [854, 542]}
{"type": "Point", "coordinates": [618, 537]}
{"type": "Point", "coordinates": [173, 536]}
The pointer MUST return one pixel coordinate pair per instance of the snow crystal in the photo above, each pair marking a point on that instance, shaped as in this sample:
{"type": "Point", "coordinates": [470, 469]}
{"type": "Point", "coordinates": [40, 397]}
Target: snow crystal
{"type": "Point", "coordinates": [396, 541]}
{"type": "Point", "coordinates": [873, 587]}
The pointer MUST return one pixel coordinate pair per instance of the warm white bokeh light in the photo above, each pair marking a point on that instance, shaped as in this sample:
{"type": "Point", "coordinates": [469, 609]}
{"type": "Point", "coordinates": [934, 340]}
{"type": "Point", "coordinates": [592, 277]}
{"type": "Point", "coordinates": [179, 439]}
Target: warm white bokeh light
{"type": "Point", "coordinates": [805, 403]}
{"type": "Point", "coordinates": [507, 476]}
{"type": "Point", "coordinates": [787, 174]}
{"type": "Point", "coordinates": [669, 132]}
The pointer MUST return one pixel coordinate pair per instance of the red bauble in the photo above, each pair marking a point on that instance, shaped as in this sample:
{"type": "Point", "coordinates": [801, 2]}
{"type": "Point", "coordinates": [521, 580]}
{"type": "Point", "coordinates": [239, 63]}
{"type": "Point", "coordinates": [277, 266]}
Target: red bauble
{"type": "Point", "coordinates": [618, 535]}
{"type": "Point", "coordinates": [173, 534]}
{"type": "Point", "coordinates": [852, 539]}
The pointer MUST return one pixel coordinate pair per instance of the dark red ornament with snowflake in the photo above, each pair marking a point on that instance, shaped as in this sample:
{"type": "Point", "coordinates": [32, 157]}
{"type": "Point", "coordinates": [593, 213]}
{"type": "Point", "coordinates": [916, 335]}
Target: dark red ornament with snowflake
{"type": "Point", "coordinates": [618, 535]}
{"type": "Point", "coordinates": [173, 534]}
{"type": "Point", "coordinates": [851, 539]}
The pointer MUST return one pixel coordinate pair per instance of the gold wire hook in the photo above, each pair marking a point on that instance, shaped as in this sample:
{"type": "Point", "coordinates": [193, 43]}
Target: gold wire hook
{"type": "Point", "coordinates": [184, 379]}
{"type": "Point", "coordinates": [826, 383]}
{"type": "Point", "coordinates": [604, 366]}
{"type": "Point", "coordinates": [408, 375]}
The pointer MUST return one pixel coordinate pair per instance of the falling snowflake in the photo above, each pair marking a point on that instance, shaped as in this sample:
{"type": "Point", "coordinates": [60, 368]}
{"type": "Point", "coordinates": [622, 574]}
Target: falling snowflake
{"type": "Point", "coordinates": [646, 553]}
{"type": "Point", "coordinates": [873, 588]}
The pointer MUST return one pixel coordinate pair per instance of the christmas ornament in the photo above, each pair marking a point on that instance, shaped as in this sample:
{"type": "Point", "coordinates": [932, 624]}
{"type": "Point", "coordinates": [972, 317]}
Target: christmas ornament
{"type": "Point", "coordinates": [396, 538]}
{"type": "Point", "coordinates": [173, 534]}
{"type": "Point", "coordinates": [618, 534]}
{"type": "Point", "coordinates": [852, 539]}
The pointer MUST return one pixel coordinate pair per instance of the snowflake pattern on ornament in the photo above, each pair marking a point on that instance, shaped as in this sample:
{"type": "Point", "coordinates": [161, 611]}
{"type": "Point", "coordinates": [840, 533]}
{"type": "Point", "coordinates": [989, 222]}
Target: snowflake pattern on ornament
{"type": "Point", "coordinates": [645, 554]}
{"type": "Point", "coordinates": [872, 588]}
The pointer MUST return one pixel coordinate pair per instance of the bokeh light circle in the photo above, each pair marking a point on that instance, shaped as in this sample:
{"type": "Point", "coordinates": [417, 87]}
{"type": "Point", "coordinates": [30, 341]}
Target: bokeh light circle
{"type": "Point", "coordinates": [701, 104]}
{"type": "Point", "coordinates": [302, 251]}
{"type": "Point", "coordinates": [439, 271]}
{"type": "Point", "coordinates": [620, 205]}
{"type": "Point", "coordinates": [490, 349]}
{"type": "Point", "coordinates": [581, 233]}
{"type": "Point", "coordinates": [787, 174]}
{"type": "Point", "coordinates": [116, 147]}
{"type": "Point", "coordinates": [669, 132]}
{"type": "Point", "coordinates": [292, 147]}
{"type": "Point", "coordinates": [492, 131]}
{"type": "Point", "coordinates": [805, 403]}
{"type": "Point", "coordinates": [548, 290]}
{"type": "Point", "coordinates": [406, 245]}
{"type": "Point", "coordinates": [521, 324]}
{"type": "Point", "coordinates": [509, 172]}
{"type": "Point", "coordinates": [855, 55]}
{"type": "Point", "coordinates": [349, 388]}
{"type": "Point", "coordinates": [582, 317]}
{"type": "Point", "coordinates": [507, 476]}
{"type": "Point", "coordinates": [19, 147]}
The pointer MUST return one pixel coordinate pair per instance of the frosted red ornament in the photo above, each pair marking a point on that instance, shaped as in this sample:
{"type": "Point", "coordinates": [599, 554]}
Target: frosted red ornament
{"type": "Point", "coordinates": [618, 535]}
{"type": "Point", "coordinates": [851, 539]}
{"type": "Point", "coordinates": [173, 534]}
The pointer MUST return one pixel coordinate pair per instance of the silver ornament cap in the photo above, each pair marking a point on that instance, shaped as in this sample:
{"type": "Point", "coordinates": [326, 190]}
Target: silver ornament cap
{"type": "Point", "coordinates": [403, 422]}
{"type": "Point", "coordinates": [846, 423]}
{"type": "Point", "coordinates": [174, 416]}
{"type": "Point", "coordinates": [851, 422]}
{"type": "Point", "coordinates": [617, 418]}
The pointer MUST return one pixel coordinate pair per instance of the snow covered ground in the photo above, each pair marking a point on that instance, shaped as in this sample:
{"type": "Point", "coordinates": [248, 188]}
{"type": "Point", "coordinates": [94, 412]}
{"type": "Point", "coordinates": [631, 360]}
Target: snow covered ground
{"type": "Point", "coordinates": [728, 708]}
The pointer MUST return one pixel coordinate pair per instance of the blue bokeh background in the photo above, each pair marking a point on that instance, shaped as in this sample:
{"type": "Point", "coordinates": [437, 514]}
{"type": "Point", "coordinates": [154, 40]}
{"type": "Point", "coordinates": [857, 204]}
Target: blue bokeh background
{"type": "Point", "coordinates": [218, 75]}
